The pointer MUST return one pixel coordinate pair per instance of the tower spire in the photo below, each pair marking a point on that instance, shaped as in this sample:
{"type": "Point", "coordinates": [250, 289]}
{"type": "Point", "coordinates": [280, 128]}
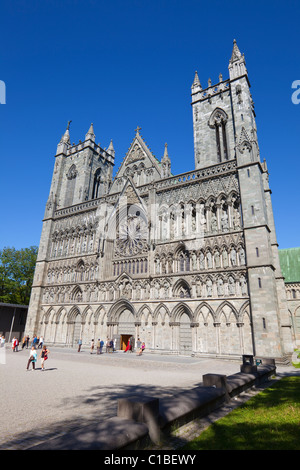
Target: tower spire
{"type": "Point", "coordinates": [196, 83]}
{"type": "Point", "coordinates": [237, 64]}
{"type": "Point", "coordinates": [165, 164]}
{"type": "Point", "coordinates": [90, 133]}
{"type": "Point", "coordinates": [111, 149]}
{"type": "Point", "coordinates": [66, 137]}
{"type": "Point", "coordinates": [236, 53]}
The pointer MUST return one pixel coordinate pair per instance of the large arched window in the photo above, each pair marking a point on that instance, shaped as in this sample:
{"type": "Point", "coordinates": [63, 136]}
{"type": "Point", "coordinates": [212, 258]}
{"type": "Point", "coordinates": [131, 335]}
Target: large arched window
{"type": "Point", "coordinates": [96, 185]}
{"type": "Point", "coordinates": [217, 121]}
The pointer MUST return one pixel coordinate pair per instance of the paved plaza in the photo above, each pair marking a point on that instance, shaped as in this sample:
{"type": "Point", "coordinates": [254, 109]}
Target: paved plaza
{"type": "Point", "coordinates": [79, 389]}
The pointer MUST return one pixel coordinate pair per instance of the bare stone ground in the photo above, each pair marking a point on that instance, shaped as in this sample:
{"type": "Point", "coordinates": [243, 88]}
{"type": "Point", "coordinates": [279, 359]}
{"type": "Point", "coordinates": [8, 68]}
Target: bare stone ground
{"type": "Point", "coordinates": [79, 389]}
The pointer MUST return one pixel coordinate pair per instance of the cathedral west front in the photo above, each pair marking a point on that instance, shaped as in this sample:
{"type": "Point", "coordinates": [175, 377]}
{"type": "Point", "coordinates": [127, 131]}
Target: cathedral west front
{"type": "Point", "coordinates": [187, 263]}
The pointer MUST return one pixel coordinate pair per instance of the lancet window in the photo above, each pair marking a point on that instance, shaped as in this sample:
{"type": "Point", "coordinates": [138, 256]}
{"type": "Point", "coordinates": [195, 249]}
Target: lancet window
{"type": "Point", "coordinates": [96, 185]}
{"type": "Point", "coordinates": [218, 121]}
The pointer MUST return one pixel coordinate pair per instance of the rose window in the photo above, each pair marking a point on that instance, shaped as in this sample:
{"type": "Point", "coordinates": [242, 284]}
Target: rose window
{"type": "Point", "coordinates": [132, 236]}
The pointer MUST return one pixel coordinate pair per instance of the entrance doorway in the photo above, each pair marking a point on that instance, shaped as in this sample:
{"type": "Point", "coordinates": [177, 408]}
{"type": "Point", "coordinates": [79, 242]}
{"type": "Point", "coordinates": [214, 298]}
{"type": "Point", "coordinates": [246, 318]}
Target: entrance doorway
{"type": "Point", "coordinates": [124, 341]}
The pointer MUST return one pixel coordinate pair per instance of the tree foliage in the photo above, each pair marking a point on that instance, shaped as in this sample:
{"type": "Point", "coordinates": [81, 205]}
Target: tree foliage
{"type": "Point", "coordinates": [16, 274]}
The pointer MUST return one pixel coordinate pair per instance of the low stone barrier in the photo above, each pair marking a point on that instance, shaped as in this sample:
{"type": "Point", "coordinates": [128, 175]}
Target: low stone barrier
{"type": "Point", "coordinates": [141, 420]}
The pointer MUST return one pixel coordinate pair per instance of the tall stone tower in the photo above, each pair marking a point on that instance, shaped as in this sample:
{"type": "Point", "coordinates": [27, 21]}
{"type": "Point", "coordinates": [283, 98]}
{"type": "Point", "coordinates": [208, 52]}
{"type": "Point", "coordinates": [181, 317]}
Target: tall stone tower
{"type": "Point", "coordinates": [82, 173]}
{"type": "Point", "coordinates": [225, 129]}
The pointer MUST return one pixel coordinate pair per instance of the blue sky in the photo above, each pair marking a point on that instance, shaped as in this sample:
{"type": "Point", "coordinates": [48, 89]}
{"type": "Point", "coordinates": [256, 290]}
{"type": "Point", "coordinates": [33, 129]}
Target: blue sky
{"type": "Point", "coordinates": [123, 64]}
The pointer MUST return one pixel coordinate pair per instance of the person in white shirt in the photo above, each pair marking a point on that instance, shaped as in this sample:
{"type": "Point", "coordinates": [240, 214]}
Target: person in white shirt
{"type": "Point", "coordinates": [32, 358]}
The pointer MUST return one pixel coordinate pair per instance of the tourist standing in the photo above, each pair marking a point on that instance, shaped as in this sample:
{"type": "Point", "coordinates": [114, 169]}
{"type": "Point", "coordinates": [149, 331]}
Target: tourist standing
{"type": "Point", "coordinates": [79, 344]}
{"type": "Point", "coordinates": [32, 358]}
{"type": "Point", "coordinates": [92, 346]}
{"type": "Point", "coordinates": [44, 356]}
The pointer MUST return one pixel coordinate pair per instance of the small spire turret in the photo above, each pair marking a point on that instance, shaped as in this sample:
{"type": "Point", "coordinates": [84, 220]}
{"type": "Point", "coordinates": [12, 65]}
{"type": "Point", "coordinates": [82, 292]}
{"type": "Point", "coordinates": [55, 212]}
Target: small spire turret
{"type": "Point", "coordinates": [90, 134]}
{"type": "Point", "coordinates": [196, 83]}
{"type": "Point", "coordinates": [165, 164]}
{"type": "Point", "coordinates": [237, 64]}
{"type": "Point", "coordinates": [111, 149]}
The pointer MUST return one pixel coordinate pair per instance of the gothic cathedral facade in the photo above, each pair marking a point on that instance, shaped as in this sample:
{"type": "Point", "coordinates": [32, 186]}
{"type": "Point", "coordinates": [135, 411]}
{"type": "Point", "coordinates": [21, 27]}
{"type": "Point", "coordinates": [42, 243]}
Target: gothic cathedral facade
{"type": "Point", "coordinates": [188, 263]}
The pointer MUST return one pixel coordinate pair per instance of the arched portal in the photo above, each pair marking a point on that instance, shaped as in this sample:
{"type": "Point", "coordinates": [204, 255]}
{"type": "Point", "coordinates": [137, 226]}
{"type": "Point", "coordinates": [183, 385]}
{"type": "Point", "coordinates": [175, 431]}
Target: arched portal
{"type": "Point", "coordinates": [183, 316]}
{"type": "Point", "coordinates": [73, 326]}
{"type": "Point", "coordinates": [122, 318]}
{"type": "Point", "coordinates": [126, 328]}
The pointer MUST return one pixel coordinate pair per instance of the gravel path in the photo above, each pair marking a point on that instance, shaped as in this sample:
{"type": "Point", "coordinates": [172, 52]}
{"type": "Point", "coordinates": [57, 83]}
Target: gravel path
{"type": "Point", "coordinates": [77, 389]}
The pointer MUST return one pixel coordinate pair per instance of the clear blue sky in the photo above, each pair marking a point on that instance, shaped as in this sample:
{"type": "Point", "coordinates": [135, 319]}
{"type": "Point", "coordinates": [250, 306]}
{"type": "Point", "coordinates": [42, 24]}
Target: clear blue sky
{"type": "Point", "coordinates": [122, 63]}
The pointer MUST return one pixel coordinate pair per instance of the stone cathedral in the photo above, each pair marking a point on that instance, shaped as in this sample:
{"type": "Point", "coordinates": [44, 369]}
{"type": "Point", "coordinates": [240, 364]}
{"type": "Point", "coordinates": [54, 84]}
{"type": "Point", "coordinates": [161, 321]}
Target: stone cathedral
{"type": "Point", "coordinates": [187, 263]}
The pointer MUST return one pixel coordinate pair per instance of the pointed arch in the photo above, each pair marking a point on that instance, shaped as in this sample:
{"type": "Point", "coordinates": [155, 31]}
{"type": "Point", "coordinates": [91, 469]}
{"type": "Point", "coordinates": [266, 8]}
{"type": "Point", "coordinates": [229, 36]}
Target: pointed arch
{"type": "Point", "coordinates": [73, 313]}
{"type": "Point", "coordinates": [229, 305]}
{"type": "Point", "coordinates": [76, 294]}
{"type": "Point", "coordinates": [218, 115]}
{"type": "Point", "coordinates": [87, 313]}
{"type": "Point", "coordinates": [157, 311]}
{"type": "Point", "coordinates": [243, 311]}
{"type": "Point", "coordinates": [50, 312]}
{"type": "Point", "coordinates": [181, 289]}
{"type": "Point", "coordinates": [199, 312]}
{"type": "Point", "coordinates": [179, 310]}
{"type": "Point", "coordinates": [141, 311]}
{"type": "Point", "coordinates": [60, 314]}
{"type": "Point", "coordinates": [118, 307]}
{"type": "Point", "coordinates": [100, 313]}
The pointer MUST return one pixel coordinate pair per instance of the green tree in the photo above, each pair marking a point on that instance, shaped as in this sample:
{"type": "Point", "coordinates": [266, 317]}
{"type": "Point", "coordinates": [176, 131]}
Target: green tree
{"type": "Point", "coordinates": [16, 274]}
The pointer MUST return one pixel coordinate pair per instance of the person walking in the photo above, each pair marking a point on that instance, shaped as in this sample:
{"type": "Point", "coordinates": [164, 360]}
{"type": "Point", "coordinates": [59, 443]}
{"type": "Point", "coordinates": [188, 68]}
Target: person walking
{"type": "Point", "coordinates": [142, 348]}
{"type": "Point", "coordinates": [14, 344]}
{"type": "Point", "coordinates": [101, 346]}
{"type": "Point", "coordinates": [44, 356]}
{"type": "Point", "coordinates": [92, 346]}
{"type": "Point", "coordinates": [128, 346]}
{"type": "Point", "coordinates": [98, 346]}
{"type": "Point", "coordinates": [34, 341]}
{"type": "Point", "coordinates": [41, 342]}
{"type": "Point", "coordinates": [32, 358]}
{"type": "Point", "coordinates": [79, 344]}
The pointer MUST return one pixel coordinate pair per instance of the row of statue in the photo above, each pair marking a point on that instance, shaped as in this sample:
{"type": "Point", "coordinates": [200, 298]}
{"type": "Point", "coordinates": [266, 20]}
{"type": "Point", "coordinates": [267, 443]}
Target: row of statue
{"type": "Point", "coordinates": [205, 287]}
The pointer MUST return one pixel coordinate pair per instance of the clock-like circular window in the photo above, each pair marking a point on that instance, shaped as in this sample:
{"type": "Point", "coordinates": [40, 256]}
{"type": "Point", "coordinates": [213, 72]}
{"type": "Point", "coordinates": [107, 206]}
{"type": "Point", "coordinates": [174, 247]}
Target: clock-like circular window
{"type": "Point", "coordinates": [132, 235]}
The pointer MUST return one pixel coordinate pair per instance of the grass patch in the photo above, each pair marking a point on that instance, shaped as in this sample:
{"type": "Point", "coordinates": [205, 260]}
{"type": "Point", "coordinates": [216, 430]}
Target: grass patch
{"type": "Point", "coordinates": [268, 421]}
